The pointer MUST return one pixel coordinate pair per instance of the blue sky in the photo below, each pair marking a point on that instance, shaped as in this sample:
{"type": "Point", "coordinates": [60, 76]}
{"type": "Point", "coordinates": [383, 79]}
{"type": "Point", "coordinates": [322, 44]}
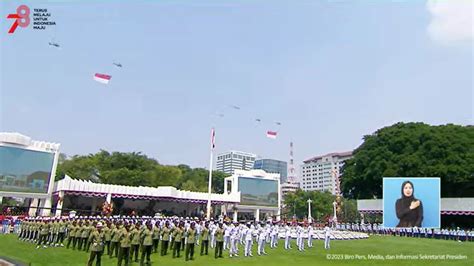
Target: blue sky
{"type": "Point", "coordinates": [330, 71]}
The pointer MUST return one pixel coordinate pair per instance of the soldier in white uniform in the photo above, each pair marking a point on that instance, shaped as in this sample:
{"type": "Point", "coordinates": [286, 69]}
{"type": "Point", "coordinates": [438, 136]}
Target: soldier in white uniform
{"type": "Point", "coordinates": [327, 237]}
{"type": "Point", "coordinates": [233, 238]}
{"type": "Point", "coordinates": [310, 236]}
{"type": "Point", "coordinates": [287, 236]}
{"type": "Point", "coordinates": [268, 229]}
{"type": "Point", "coordinates": [299, 239]}
{"type": "Point", "coordinates": [198, 232]}
{"type": "Point", "coordinates": [242, 233]}
{"type": "Point", "coordinates": [247, 233]}
{"type": "Point", "coordinates": [262, 235]}
{"type": "Point", "coordinates": [212, 229]}
{"type": "Point", "coordinates": [227, 230]}
{"type": "Point", "coordinates": [273, 236]}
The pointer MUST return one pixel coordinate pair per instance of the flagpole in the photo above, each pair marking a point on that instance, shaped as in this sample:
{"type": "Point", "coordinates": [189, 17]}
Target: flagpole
{"type": "Point", "coordinates": [208, 214]}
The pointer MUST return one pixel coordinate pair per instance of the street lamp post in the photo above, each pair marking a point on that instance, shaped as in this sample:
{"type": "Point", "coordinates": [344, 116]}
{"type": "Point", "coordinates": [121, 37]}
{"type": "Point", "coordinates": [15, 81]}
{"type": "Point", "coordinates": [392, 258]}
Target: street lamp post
{"type": "Point", "coordinates": [309, 210]}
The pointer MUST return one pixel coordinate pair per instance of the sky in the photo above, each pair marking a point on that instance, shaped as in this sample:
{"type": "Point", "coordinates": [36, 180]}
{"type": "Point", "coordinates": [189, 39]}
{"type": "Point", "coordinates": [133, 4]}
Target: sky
{"type": "Point", "coordinates": [329, 71]}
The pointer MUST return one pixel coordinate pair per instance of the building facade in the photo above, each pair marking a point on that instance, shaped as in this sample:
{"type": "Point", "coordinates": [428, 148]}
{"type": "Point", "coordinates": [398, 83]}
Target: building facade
{"type": "Point", "coordinates": [35, 178]}
{"type": "Point", "coordinates": [287, 188]}
{"type": "Point", "coordinates": [259, 192]}
{"type": "Point", "coordinates": [273, 166]}
{"type": "Point", "coordinates": [320, 172]}
{"type": "Point", "coordinates": [230, 161]}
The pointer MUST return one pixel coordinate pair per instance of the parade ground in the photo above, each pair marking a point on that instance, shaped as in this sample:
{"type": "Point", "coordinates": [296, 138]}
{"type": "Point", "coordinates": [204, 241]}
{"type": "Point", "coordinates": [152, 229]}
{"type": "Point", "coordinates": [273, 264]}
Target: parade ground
{"type": "Point", "coordinates": [377, 250]}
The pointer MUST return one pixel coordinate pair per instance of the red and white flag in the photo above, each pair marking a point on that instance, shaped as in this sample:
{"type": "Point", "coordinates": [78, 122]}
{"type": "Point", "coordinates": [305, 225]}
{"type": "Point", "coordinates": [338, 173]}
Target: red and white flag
{"type": "Point", "coordinates": [213, 138]}
{"type": "Point", "coordinates": [102, 78]}
{"type": "Point", "coordinates": [272, 134]}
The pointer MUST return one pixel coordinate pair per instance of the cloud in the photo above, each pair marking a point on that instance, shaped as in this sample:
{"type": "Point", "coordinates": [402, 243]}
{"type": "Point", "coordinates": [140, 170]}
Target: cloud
{"type": "Point", "coordinates": [451, 20]}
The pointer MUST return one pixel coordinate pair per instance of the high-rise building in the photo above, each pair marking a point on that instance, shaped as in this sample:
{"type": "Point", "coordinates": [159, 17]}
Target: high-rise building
{"type": "Point", "coordinates": [322, 172]}
{"type": "Point", "coordinates": [229, 161]}
{"type": "Point", "coordinates": [273, 166]}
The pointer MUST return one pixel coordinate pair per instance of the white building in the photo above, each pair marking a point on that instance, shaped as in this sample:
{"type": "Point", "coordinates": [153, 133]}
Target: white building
{"type": "Point", "coordinates": [70, 193]}
{"type": "Point", "coordinates": [235, 160]}
{"type": "Point", "coordinates": [288, 188]}
{"type": "Point", "coordinates": [318, 173]}
{"type": "Point", "coordinates": [27, 169]}
{"type": "Point", "coordinates": [260, 195]}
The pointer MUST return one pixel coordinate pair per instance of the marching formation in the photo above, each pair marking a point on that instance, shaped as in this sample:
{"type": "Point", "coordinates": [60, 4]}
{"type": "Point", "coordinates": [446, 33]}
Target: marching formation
{"type": "Point", "coordinates": [135, 238]}
{"type": "Point", "coordinates": [457, 233]}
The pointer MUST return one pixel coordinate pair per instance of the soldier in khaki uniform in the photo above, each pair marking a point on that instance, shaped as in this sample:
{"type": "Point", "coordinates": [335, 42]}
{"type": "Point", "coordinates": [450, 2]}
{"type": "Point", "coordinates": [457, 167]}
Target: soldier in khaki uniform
{"type": "Point", "coordinates": [173, 227]}
{"type": "Point", "coordinates": [190, 240]}
{"type": "Point", "coordinates": [32, 229]}
{"type": "Point", "coordinates": [43, 231]}
{"type": "Point", "coordinates": [177, 235]}
{"type": "Point", "coordinates": [86, 231]}
{"type": "Point", "coordinates": [205, 239]}
{"type": "Point", "coordinates": [146, 240]}
{"type": "Point", "coordinates": [125, 243]}
{"type": "Point", "coordinates": [23, 226]}
{"type": "Point", "coordinates": [72, 235]}
{"type": "Point", "coordinates": [156, 236]}
{"type": "Point", "coordinates": [80, 227]}
{"type": "Point", "coordinates": [219, 241]}
{"type": "Point", "coordinates": [36, 230]}
{"type": "Point", "coordinates": [115, 239]}
{"type": "Point", "coordinates": [165, 237]}
{"type": "Point", "coordinates": [135, 232]}
{"type": "Point", "coordinates": [61, 232]}
{"type": "Point", "coordinates": [108, 236]}
{"type": "Point", "coordinates": [96, 240]}
{"type": "Point", "coordinates": [53, 232]}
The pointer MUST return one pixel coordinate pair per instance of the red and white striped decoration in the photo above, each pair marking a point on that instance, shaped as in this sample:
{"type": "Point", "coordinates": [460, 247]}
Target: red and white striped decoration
{"type": "Point", "coordinates": [102, 78]}
{"type": "Point", "coordinates": [272, 134]}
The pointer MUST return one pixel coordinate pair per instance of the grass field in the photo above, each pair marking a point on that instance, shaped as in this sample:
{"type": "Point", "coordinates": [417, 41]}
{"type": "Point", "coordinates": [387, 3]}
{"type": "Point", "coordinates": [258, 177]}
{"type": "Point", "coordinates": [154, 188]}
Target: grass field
{"type": "Point", "coordinates": [341, 253]}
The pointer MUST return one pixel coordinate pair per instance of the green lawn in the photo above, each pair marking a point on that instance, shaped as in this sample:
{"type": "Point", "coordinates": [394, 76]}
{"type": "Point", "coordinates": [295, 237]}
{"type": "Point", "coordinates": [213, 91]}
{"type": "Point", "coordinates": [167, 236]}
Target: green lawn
{"type": "Point", "coordinates": [341, 251]}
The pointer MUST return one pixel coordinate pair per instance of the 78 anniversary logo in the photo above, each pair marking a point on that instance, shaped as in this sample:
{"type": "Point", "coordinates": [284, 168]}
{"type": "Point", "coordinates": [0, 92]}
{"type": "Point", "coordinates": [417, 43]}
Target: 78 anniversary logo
{"type": "Point", "coordinates": [22, 18]}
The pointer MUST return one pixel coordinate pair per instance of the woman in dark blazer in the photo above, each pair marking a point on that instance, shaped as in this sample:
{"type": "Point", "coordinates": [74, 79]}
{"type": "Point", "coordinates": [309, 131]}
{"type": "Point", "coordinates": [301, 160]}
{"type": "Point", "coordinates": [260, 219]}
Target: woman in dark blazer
{"type": "Point", "coordinates": [409, 209]}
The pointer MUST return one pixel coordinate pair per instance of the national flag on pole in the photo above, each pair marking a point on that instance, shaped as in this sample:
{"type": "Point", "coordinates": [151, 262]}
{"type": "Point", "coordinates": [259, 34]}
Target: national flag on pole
{"type": "Point", "coordinates": [272, 134]}
{"type": "Point", "coordinates": [213, 138]}
{"type": "Point", "coordinates": [102, 78]}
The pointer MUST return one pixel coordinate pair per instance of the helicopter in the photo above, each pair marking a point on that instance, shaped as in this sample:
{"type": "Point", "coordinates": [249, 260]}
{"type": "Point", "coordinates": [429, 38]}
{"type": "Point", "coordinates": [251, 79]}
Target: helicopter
{"type": "Point", "coordinates": [55, 44]}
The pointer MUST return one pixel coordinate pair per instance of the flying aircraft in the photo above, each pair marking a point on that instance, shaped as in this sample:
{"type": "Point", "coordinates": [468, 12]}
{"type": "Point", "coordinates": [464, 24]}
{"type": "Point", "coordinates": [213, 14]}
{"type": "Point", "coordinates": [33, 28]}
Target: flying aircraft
{"type": "Point", "coordinates": [55, 44]}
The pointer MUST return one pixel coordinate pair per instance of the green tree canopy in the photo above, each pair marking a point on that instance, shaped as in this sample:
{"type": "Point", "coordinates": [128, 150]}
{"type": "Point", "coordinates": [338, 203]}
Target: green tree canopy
{"type": "Point", "coordinates": [136, 169]}
{"type": "Point", "coordinates": [412, 150]}
{"type": "Point", "coordinates": [296, 203]}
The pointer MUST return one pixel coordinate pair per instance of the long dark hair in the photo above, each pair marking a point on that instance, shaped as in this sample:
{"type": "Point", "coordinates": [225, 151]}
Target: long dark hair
{"type": "Point", "coordinates": [412, 187]}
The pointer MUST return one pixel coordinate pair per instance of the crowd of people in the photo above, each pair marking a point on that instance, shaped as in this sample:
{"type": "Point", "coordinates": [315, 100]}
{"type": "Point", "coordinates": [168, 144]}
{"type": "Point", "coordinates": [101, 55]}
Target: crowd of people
{"type": "Point", "coordinates": [135, 238]}
{"type": "Point", "coordinates": [457, 233]}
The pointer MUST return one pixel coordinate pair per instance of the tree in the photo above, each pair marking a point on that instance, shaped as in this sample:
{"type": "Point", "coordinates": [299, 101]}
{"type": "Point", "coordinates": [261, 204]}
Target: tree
{"type": "Point", "coordinates": [164, 175]}
{"type": "Point", "coordinates": [136, 169]}
{"type": "Point", "coordinates": [82, 167]}
{"type": "Point", "coordinates": [412, 150]}
{"type": "Point", "coordinates": [218, 181]}
{"type": "Point", "coordinates": [296, 204]}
